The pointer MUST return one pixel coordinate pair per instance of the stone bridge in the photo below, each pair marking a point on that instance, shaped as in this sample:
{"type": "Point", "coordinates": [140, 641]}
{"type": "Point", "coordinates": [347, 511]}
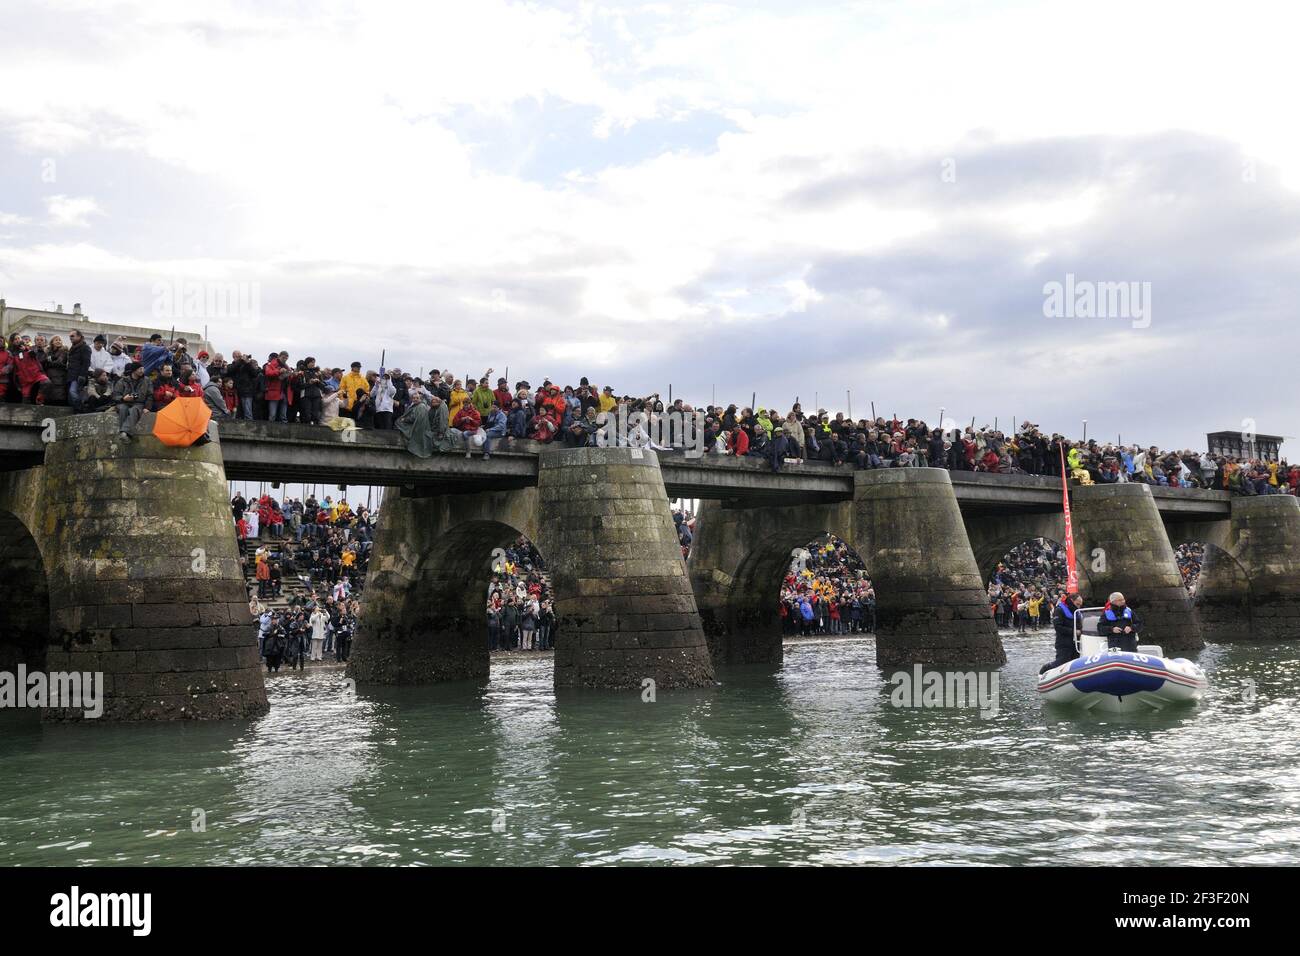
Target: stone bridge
{"type": "Point", "coordinates": [122, 559]}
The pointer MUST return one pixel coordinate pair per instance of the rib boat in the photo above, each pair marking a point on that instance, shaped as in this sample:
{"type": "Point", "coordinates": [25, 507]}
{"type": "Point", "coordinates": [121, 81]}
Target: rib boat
{"type": "Point", "coordinates": [1113, 681]}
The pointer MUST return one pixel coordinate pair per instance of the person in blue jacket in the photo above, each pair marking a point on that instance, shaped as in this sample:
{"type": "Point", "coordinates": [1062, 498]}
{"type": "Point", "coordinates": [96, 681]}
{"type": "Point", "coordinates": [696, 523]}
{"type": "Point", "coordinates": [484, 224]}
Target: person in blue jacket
{"type": "Point", "coordinates": [1119, 625]}
{"type": "Point", "coordinates": [1063, 624]}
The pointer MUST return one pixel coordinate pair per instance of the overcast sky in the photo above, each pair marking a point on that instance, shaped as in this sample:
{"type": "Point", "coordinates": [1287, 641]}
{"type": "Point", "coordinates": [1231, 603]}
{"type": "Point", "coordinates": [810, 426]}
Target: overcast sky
{"type": "Point", "coordinates": [787, 198]}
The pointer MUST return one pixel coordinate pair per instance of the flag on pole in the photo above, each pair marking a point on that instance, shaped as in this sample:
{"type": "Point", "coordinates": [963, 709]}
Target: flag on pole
{"type": "Point", "coordinates": [1072, 572]}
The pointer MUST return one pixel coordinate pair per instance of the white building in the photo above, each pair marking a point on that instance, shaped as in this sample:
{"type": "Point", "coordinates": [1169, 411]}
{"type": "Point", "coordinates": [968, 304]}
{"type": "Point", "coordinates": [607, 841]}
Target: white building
{"type": "Point", "coordinates": [49, 322]}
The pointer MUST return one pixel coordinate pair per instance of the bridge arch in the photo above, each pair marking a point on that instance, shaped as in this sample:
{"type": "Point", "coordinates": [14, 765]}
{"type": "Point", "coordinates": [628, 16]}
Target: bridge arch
{"type": "Point", "coordinates": [423, 615]}
{"type": "Point", "coordinates": [737, 562]}
{"type": "Point", "coordinates": [992, 537]}
{"type": "Point", "coordinates": [26, 633]}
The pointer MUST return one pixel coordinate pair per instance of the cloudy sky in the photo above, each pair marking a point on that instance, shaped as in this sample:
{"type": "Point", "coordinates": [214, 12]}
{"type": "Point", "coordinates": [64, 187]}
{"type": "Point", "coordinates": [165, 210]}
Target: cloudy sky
{"type": "Point", "coordinates": [787, 198]}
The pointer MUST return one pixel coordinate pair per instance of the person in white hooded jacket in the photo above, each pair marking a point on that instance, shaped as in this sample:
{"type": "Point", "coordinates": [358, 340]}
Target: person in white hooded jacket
{"type": "Point", "coordinates": [382, 396]}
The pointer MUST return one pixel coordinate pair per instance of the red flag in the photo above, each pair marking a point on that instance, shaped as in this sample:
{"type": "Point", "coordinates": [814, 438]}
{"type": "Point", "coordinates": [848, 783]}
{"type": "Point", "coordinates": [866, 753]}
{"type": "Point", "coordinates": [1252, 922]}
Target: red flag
{"type": "Point", "coordinates": [1072, 573]}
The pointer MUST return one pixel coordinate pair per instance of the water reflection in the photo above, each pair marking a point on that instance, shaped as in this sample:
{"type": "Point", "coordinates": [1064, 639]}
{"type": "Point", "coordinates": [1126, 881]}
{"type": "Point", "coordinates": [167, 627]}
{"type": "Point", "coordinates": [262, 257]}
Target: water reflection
{"type": "Point", "coordinates": [811, 764]}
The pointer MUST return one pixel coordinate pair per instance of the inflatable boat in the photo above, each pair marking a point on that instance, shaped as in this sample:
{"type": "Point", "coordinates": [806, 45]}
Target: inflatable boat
{"type": "Point", "coordinates": [1119, 682]}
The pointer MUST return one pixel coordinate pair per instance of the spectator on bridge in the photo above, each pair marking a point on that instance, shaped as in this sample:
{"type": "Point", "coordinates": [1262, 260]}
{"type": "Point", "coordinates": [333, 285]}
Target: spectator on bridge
{"type": "Point", "coordinates": [382, 393]}
{"type": "Point", "coordinates": [425, 428]}
{"type": "Point", "coordinates": [352, 386]}
{"type": "Point", "coordinates": [33, 383]}
{"type": "Point", "coordinates": [215, 400]}
{"type": "Point", "coordinates": [131, 396]}
{"type": "Point", "coordinates": [98, 394]}
{"type": "Point", "coordinates": [78, 366]}
{"type": "Point", "coordinates": [275, 376]}
{"type": "Point", "coordinates": [470, 425]}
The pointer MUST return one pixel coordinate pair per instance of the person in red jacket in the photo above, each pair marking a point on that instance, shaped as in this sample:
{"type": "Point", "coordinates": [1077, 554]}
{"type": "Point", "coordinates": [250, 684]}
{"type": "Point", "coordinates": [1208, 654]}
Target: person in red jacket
{"type": "Point", "coordinates": [165, 389]}
{"type": "Point", "coordinates": [470, 424]}
{"type": "Point", "coordinates": [276, 394]}
{"type": "Point", "coordinates": [545, 424]}
{"type": "Point", "coordinates": [738, 442]}
{"type": "Point", "coordinates": [187, 385]}
{"type": "Point", "coordinates": [229, 395]}
{"type": "Point", "coordinates": [551, 399]}
{"type": "Point", "coordinates": [968, 449]}
{"type": "Point", "coordinates": [502, 394]}
{"type": "Point", "coordinates": [30, 377]}
{"type": "Point", "coordinates": [264, 511]}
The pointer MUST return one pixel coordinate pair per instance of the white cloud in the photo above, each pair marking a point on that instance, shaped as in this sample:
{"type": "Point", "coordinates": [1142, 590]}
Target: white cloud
{"type": "Point", "coordinates": [331, 144]}
{"type": "Point", "coordinates": [71, 210]}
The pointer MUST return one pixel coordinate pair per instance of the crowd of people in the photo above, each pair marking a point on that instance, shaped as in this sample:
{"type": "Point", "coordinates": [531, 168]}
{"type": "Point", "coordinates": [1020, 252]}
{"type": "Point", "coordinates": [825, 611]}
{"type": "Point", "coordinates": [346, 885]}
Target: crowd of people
{"type": "Point", "coordinates": [314, 629]}
{"type": "Point", "coordinates": [1026, 585]}
{"type": "Point", "coordinates": [330, 522]}
{"type": "Point", "coordinates": [1190, 556]}
{"type": "Point", "coordinates": [520, 606]}
{"type": "Point", "coordinates": [443, 413]}
{"type": "Point", "coordinates": [327, 546]}
{"type": "Point", "coordinates": [324, 545]}
{"type": "Point", "coordinates": [826, 590]}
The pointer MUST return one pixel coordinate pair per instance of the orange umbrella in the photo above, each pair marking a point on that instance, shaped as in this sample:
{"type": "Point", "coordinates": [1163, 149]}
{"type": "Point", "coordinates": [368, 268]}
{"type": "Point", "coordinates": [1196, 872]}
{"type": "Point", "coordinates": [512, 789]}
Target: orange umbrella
{"type": "Point", "coordinates": [182, 422]}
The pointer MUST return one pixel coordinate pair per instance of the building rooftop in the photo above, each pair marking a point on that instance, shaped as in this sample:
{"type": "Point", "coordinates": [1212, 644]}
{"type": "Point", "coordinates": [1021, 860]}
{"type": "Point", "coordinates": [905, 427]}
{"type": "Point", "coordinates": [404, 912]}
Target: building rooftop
{"type": "Point", "coordinates": [29, 321]}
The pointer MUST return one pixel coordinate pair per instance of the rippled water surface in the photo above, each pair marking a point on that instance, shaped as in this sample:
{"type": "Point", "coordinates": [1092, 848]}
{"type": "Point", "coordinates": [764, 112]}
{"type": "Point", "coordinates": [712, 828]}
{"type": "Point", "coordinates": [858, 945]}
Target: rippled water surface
{"type": "Point", "coordinates": [807, 765]}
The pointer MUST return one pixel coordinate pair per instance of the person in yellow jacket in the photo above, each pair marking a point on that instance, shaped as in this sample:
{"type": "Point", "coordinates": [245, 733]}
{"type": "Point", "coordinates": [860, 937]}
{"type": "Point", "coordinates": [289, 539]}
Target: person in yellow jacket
{"type": "Point", "coordinates": [458, 398]}
{"type": "Point", "coordinates": [608, 403]}
{"type": "Point", "coordinates": [1035, 605]}
{"type": "Point", "coordinates": [351, 386]}
{"type": "Point", "coordinates": [765, 423]}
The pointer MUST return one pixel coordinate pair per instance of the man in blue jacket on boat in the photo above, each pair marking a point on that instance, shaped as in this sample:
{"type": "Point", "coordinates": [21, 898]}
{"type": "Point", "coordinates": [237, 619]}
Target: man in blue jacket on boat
{"type": "Point", "coordinates": [1063, 624]}
{"type": "Point", "coordinates": [1119, 625]}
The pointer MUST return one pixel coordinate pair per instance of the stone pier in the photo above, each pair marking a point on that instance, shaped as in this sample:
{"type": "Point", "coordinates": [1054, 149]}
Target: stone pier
{"type": "Point", "coordinates": [932, 606]}
{"type": "Point", "coordinates": [135, 560]}
{"type": "Point", "coordinates": [1249, 590]}
{"type": "Point", "coordinates": [625, 606]}
{"type": "Point", "coordinates": [1122, 546]}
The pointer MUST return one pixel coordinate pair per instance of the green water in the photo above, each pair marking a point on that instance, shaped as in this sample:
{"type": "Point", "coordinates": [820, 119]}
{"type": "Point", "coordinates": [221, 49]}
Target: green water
{"type": "Point", "coordinates": [808, 765]}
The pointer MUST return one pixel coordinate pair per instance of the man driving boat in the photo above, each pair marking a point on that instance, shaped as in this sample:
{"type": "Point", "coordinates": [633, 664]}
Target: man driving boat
{"type": "Point", "coordinates": [1119, 625]}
